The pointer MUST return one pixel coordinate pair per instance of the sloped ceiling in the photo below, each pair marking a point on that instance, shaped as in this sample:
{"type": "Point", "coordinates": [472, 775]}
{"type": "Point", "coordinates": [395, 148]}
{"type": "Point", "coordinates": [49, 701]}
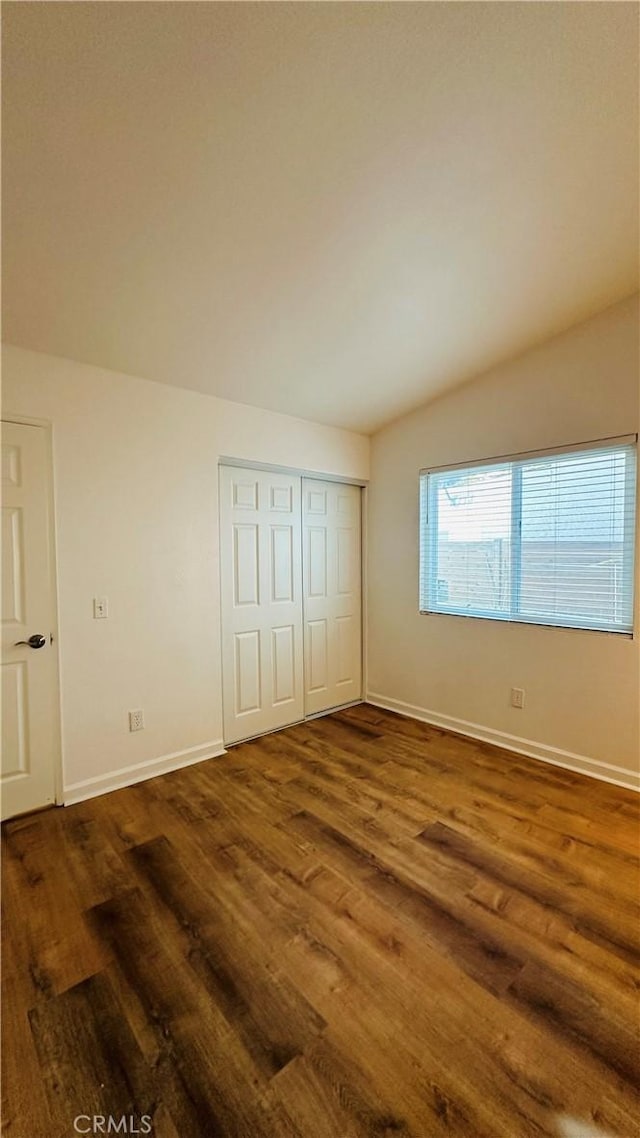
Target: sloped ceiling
{"type": "Point", "coordinates": [333, 210]}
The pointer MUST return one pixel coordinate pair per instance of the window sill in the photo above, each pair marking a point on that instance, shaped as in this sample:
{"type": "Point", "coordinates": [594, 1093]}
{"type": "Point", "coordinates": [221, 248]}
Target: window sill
{"type": "Point", "coordinates": [623, 633]}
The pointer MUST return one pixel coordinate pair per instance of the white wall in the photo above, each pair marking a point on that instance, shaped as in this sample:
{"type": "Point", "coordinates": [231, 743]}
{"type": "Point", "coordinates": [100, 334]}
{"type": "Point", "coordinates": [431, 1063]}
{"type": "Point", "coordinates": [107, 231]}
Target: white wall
{"type": "Point", "coordinates": [582, 688]}
{"type": "Point", "coordinates": [136, 498]}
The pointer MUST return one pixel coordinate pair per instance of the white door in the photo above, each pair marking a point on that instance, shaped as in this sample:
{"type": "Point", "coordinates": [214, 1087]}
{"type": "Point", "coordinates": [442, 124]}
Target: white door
{"type": "Point", "coordinates": [261, 581]}
{"type": "Point", "coordinates": [29, 682]}
{"type": "Point", "coordinates": [332, 594]}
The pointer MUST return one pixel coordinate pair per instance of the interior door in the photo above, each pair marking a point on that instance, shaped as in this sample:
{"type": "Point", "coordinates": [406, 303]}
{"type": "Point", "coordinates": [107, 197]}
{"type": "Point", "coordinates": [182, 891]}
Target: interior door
{"type": "Point", "coordinates": [261, 580]}
{"type": "Point", "coordinates": [29, 683]}
{"type": "Point", "coordinates": [332, 594]}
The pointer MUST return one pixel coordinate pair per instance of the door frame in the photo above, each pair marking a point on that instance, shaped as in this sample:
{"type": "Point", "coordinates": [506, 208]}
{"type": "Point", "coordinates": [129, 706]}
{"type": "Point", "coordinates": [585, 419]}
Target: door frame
{"type": "Point", "coordinates": [47, 426]}
{"type": "Point", "coordinates": [345, 480]}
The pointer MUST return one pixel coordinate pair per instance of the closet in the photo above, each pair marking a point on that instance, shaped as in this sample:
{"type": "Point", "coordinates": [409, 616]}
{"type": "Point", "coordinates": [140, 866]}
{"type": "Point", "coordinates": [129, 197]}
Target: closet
{"type": "Point", "coordinates": [291, 592]}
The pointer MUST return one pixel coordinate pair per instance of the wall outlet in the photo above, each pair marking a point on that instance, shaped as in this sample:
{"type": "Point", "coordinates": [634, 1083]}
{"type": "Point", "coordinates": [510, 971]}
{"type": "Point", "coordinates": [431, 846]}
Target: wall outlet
{"type": "Point", "coordinates": [136, 720]}
{"type": "Point", "coordinates": [517, 697]}
{"type": "Point", "coordinates": [100, 608]}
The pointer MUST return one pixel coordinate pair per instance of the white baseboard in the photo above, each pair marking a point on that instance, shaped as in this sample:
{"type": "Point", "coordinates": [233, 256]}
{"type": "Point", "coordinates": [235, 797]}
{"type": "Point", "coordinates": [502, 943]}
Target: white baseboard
{"type": "Point", "coordinates": [127, 776]}
{"type": "Point", "coordinates": [594, 768]}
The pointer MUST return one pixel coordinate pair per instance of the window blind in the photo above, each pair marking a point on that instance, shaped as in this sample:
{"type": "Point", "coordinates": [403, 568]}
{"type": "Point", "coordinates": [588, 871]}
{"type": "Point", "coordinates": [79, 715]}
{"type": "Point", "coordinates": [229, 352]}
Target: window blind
{"type": "Point", "coordinates": [545, 539]}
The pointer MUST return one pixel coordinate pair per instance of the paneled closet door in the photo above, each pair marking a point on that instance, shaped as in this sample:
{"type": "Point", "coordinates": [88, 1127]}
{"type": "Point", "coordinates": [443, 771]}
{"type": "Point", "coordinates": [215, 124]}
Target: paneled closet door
{"type": "Point", "coordinates": [332, 573]}
{"type": "Point", "coordinates": [261, 579]}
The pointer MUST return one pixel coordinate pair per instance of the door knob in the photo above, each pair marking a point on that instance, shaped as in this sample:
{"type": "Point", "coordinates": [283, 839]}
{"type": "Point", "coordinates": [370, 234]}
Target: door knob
{"type": "Point", "coordinates": [35, 641]}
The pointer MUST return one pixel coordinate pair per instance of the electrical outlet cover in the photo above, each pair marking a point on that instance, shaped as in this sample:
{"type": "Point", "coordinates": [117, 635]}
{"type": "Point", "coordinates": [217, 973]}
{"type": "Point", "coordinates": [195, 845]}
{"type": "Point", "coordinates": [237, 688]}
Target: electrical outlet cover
{"type": "Point", "coordinates": [136, 720]}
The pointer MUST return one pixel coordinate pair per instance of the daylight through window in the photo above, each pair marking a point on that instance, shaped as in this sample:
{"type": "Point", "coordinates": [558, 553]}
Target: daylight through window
{"type": "Point", "coordinates": [546, 538]}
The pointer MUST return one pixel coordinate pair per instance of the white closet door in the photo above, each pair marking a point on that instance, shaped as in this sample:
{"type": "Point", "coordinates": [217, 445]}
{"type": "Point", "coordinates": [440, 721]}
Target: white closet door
{"type": "Point", "coordinates": [332, 574]}
{"type": "Point", "coordinates": [261, 576]}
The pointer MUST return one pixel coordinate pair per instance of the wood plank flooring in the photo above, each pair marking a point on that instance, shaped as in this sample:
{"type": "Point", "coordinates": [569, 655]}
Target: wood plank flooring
{"type": "Point", "coordinates": [360, 926]}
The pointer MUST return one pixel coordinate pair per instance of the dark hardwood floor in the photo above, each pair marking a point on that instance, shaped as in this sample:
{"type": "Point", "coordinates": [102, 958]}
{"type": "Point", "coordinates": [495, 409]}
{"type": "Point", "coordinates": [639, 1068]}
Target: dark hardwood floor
{"type": "Point", "coordinates": [359, 926]}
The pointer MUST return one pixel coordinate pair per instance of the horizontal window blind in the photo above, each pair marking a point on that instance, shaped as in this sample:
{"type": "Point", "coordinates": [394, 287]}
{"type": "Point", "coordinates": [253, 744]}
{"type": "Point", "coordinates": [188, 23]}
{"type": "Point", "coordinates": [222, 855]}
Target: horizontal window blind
{"type": "Point", "coordinates": [545, 539]}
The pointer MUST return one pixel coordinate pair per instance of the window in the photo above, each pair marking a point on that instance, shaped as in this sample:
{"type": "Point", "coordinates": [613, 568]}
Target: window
{"type": "Point", "coordinates": [544, 538]}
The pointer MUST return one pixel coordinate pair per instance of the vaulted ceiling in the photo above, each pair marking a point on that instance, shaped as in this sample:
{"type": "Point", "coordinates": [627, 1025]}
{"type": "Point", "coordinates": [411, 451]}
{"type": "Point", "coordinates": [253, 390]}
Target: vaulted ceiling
{"type": "Point", "coordinates": [333, 210]}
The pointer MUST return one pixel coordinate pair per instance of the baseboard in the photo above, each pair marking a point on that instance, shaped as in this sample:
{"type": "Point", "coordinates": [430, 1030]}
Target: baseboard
{"type": "Point", "coordinates": [581, 764]}
{"type": "Point", "coordinates": [139, 772]}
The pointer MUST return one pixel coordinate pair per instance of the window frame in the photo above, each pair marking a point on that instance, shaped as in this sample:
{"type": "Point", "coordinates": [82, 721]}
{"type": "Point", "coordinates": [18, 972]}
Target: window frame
{"type": "Point", "coordinates": [428, 515]}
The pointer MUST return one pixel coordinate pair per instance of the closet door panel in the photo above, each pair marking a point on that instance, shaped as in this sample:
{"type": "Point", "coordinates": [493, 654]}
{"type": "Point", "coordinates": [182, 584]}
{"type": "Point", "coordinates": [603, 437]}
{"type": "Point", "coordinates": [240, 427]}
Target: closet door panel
{"type": "Point", "coordinates": [332, 576]}
{"type": "Point", "coordinates": [261, 594]}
